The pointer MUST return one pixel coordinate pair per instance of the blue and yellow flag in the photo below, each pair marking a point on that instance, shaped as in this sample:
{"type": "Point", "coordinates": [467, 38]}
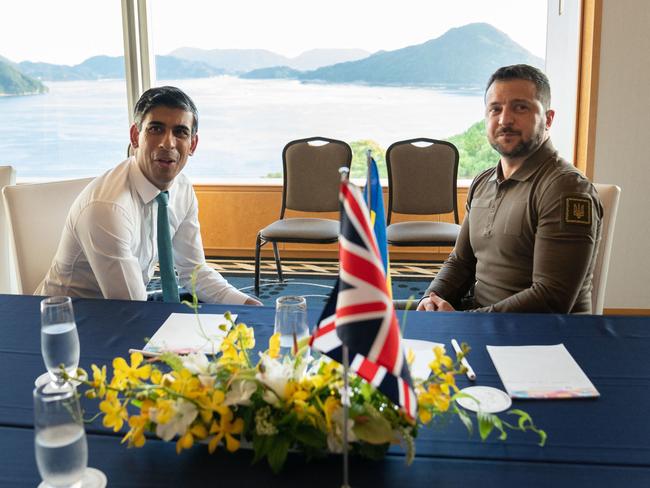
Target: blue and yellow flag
{"type": "Point", "coordinates": [375, 200]}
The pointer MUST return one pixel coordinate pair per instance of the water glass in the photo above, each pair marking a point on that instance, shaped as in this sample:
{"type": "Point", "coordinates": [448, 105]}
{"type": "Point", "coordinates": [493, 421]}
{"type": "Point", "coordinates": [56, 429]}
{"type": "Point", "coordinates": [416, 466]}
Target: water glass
{"type": "Point", "coordinates": [291, 322]}
{"type": "Point", "coordinates": [60, 440]}
{"type": "Point", "coordinates": [59, 339]}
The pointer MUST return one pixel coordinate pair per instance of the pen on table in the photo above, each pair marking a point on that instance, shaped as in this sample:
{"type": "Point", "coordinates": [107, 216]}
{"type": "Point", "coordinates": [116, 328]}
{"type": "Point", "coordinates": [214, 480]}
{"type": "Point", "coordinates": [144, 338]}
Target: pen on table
{"type": "Point", "coordinates": [470, 372]}
{"type": "Point", "coordinates": [153, 354]}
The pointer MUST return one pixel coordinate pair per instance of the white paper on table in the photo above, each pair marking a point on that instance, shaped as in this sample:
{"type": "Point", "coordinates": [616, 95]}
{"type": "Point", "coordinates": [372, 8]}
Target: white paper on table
{"type": "Point", "coordinates": [540, 372]}
{"type": "Point", "coordinates": [181, 332]}
{"type": "Point", "coordinates": [424, 354]}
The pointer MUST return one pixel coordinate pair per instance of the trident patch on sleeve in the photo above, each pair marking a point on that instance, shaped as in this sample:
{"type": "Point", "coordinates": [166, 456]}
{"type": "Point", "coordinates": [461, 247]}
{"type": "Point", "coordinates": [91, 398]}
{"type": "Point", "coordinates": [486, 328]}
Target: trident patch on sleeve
{"type": "Point", "coordinates": [577, 210]}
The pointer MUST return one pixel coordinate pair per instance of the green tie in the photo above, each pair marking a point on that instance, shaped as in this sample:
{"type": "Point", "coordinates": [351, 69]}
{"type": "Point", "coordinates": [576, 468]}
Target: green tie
{"type": "Point", "coordinates": [165, 256]}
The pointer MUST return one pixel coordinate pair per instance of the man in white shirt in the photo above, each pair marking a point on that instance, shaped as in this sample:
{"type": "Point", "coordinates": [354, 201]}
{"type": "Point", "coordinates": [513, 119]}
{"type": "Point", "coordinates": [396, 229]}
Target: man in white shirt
{"type": "Point", "coordinates": [109, 243]}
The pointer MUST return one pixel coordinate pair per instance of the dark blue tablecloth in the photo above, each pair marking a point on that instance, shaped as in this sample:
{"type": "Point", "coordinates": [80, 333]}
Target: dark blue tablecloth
{"type": "Point", "coordinates": [611, 431]}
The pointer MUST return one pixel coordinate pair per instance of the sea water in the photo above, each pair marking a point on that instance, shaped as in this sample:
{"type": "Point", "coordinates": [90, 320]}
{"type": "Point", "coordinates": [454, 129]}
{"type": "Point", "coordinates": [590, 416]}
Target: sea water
{"type": "Point", "coordinates": [61, 454]}
{"type": "Point", "coordinates": [60, 345]}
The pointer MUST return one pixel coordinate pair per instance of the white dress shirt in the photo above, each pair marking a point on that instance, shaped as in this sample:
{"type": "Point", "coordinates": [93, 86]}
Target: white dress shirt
{"type": "Point", "coordinates": [108, 247]}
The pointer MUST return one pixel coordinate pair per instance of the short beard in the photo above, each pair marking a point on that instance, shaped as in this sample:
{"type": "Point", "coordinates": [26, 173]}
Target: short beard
{"type": "Point", "coordinates": [524, 148]}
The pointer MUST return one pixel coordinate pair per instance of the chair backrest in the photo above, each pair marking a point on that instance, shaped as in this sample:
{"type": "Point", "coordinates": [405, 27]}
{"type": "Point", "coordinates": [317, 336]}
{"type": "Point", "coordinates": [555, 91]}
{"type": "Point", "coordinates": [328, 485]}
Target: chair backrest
{"type": "Point", "coordinates": [7, 273]}
{"type": "Point", "coordinates": [609, 197]}
{"type": "Point", "coordinates": [422, 177]}
{"type": "Point", "coordinates": [37, 214]}
{"type": "Point", "coordinates": [311, 174]}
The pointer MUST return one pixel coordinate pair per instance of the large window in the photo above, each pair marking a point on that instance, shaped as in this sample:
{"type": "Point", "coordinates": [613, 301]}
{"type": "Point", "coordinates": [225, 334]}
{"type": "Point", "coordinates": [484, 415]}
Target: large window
{"type": "Point", "coordinates": [63, 100]}
{"type": "Point", "coordinates": [263, 73]}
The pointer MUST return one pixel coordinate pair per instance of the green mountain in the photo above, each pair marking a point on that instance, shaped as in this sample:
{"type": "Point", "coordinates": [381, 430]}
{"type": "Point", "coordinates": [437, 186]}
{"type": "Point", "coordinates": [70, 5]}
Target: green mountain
{"type": "Point", "coordinates": [474, 150]}
{"type": "Point", "coordinates": [463, 56]}
{"type": "Point", "coordinates": [13, 82]}
{"type": "Point", "coordinates": [112, 67]}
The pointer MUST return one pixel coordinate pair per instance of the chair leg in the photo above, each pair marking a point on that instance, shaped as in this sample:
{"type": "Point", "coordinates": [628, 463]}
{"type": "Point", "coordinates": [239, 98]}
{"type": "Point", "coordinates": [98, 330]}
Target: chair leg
{"type": "Point", "coordinates": [278, 265]}
{"type": "Point", "coordinates": [258, 246]}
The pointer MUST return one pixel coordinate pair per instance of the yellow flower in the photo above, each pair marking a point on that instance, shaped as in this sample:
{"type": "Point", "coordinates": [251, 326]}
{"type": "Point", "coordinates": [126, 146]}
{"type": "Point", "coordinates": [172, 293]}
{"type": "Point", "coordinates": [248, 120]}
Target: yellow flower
{"type": "Point", "coordinates": [274, 345]}
{"type": "Point", "coordinates": [211, 403]}
{"type": "Point", "coordinates": [99, 380]}
{"type": "Point", "coordinates": [225, 428]}
{"type": "Point", "coordinates": [410, 356]}
{"type": "Point", "coordinates": [186, 384]}
{"type": "Point", "coordinates": [156, 376]}
{"type": "Point", "coordinates": [114, 412]}
{"type": "Point", "coordinates": [131, 374]}
{"type": "Point", "coordinates": [197, 431]}
{"type": "Point", "coordinates": [242, 335]}
{"type": "Point", "coordinates": [332, 404]}
{"type": "Point", "coordinates": [440, 361]}
{"type": "Point", "coordinates": [164, 410]}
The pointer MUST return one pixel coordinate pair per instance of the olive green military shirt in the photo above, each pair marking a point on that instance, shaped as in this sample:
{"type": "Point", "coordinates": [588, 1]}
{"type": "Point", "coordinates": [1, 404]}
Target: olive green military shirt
{"type": "Point", "coordinates": [528, 243]}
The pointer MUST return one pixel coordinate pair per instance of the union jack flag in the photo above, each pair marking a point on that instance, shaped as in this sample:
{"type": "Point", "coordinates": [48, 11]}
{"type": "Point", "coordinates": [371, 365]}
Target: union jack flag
{"type": "Point", "coordinates": [360, 311]}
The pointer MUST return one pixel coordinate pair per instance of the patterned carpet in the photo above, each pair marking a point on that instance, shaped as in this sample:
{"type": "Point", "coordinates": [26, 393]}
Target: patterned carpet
{"type": "Point", "coordinates": [315, 279]}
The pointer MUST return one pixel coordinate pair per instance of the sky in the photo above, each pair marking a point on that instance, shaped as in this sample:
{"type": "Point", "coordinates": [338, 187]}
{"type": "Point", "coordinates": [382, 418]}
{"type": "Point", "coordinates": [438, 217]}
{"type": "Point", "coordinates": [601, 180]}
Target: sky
{"type": "Point", "coordinates": [70, 31]}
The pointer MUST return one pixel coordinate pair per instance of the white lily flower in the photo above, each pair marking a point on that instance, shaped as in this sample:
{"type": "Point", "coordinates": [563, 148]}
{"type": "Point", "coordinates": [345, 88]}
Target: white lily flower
{"type": "Point", "coordinates": [275, 375]}
{"type": "Point", "coordinates": [184, 414]}
{"type": "Point", "coordinates": [196, 363]}
{"type": "Point", "coordinates": [335, 436]}
{"type": "Point", "coordinates": [240, 393]}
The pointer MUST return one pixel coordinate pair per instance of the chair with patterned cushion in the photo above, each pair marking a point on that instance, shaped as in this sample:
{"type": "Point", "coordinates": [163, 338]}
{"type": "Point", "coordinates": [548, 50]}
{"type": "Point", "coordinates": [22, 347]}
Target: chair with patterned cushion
{"type": "Point", "coordinates": [311, 184]}
{"type": "Point", "coordinates": [422, 181]}
{"type": "Point", "coordinates": [37, 214]}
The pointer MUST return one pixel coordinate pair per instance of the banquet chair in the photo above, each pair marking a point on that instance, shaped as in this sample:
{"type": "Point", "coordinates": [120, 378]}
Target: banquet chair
{"type": "Point", "coordinates": [422, 181]}
{"type": "Point", "coordinates": [609, 197]}
{"type": "Point", "coordinates": [310, 169]}
{"type": "Point", "coordinates": [37, 215]}
{"type": "Point", "coordinates": [7, 279]}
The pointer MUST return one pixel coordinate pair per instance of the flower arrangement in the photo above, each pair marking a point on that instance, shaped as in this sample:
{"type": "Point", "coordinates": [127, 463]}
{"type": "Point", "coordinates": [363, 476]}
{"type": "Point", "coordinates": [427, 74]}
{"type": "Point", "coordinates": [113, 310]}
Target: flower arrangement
{"type": "Point", "coordinates": [275, 403]}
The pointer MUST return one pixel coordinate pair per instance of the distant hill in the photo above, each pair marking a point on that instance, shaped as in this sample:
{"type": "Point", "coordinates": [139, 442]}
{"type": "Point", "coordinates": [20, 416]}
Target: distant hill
{"type": "Point", "coordinates": [13, 82]}
{"type": "Point", "coordinates": [104, 67]}
{"type": "Point", "coordinates": [236, 61]}
{"type": "Point", "coordinates": [277, 72]}
{"type": "Point", "coordinates": [463, 56]}
{"type": "Point", "coordinates": [317, 58]}
{"type": "Point", "coordinates": [232, 60]}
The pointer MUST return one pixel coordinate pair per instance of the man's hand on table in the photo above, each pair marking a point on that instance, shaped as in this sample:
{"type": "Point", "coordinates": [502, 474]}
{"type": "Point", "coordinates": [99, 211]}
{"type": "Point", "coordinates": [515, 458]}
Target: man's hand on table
{"type": "Point", "coordinates": [253, 301]}
{"type": "Point", "coordinates": [433, 303]}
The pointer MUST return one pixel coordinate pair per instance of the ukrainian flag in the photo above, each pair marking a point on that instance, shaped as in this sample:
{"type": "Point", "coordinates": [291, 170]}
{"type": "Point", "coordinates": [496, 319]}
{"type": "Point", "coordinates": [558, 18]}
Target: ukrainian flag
{"type": "Point", "coordinates": [375, 200]}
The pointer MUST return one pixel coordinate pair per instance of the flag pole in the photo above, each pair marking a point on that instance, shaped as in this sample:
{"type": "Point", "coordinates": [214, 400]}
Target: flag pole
{"type": "Point", "coordinates": [345, 399]}
{"type": "Point", "coordinates": [368, 186]}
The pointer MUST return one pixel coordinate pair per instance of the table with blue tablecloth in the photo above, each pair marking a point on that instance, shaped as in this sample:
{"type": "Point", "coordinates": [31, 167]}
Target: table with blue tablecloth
{"type": "Point", "coordinates": [600, 442]}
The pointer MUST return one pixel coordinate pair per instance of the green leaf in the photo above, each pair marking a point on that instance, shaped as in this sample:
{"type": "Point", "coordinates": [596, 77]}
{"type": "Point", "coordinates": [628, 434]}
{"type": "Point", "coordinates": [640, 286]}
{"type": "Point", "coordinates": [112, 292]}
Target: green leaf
{"type": "Point", "coordinates": [261, 446]}
{"type": "Point", "coordinates": [171, 360]}
{"type": "Point", "coordinates": [278, 453]}
{"type": "Point", "coordinates": [485, 424]}
{"type": "Point", "coordinates": [466, 420]}
{"type": "Point", "coordinates": [311, 437]}
{"type": "Point", "coordinates": [372, 427]}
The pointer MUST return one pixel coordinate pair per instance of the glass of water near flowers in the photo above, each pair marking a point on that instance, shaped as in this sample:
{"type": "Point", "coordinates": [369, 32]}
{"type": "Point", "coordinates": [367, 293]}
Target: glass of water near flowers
{"type": "Point", "coordinates": [60, 440]}
{"type": "Point", "coordinates": [59, 339]}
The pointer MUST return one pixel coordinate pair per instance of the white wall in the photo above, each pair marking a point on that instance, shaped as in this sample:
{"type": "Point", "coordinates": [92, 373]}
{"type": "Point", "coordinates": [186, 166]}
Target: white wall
{"type": "Point", "coordinates": [622, 151]}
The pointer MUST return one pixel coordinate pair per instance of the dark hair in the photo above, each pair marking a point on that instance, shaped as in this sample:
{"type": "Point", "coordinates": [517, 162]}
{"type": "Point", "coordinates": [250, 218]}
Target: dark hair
{"type": "Point", "coordinates": [166, 96]}
{"type": "Point", "coordinates": [524, 72]}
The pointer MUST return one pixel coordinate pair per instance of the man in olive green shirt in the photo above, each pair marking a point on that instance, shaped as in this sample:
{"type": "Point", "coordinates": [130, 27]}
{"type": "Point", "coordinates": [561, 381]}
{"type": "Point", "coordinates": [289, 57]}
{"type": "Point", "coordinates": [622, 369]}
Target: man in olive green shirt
{"type": "Point", "coordinates": [531, 231]}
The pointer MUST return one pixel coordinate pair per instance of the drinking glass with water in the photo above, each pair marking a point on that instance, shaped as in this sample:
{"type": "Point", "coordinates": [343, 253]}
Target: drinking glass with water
{"type": "Point", "coordinates": [59, 339]}
{"type": "Point", "coordinates": [60, 443]}
{"type": "Point", "coordinates": [291, 322]}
